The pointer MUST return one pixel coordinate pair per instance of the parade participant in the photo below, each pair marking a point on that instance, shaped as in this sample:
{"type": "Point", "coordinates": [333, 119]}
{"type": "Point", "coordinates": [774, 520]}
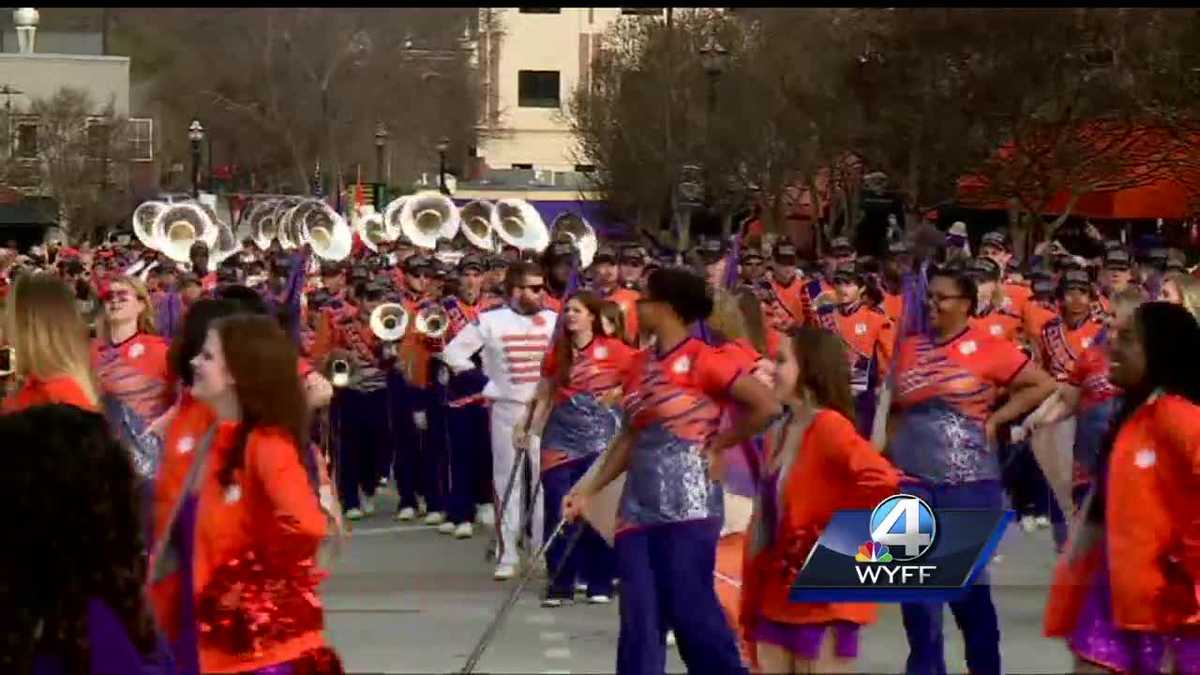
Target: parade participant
{"type": "Point", "coordinates": [897, 264]}
{"type": "Point", "coordinates": [786, 300]}
{"type": "Point", "coordinates": [466, 414]}
{"type": "Point", "coordinates": [990, 315]}
{"type": "Point", "coordinates": [671, 509]}
{"type": "Point", "coordinates": [1181, 289]}
{"type": "Point", "coordinates": [514, 339]}
{"type": "Point", "coordinates": [841, 253]}
{"type": "Point", "coordinates": [818, 465]}
{"type": "Point", "coordinates": [632, 266]}
{"type": "Point", "coordinates": [869, 336]}
{"type": "Point", "coordinates": [753, 266]}
{"type": "Point", "coordinates": [1125, 602]}
{"type": "Point", "coordinates": [944, 434]}
{"type": "Point", "coordinates": [49, 344]}
{"type": "Point", "coordinates": [198, 255]}
{"type": "Point", "coordinates": [1064, 338]}
{"type": "Point", "coordinates": [612, 321]}
{"type": "Point", "coordinates": [572, 413]}
{"type": "Point", "coordinates": [493, 281]}
{"type": "Point", "coordinates": [73, 588]}
{"type": "Point", "coordinates": [1116, 276]}
{"type": "Point", "coordinates": [996, 245]}
{"type": "Point", "coordinates": [557, 262]}
{"type": "Point", "coordinates": [608, 286]}
{"type": "Point", "coordinates": [258, 522]}
{"type": "Point", "coordinates": [130, 363]}
{"type": "Point", "coordinates": [1041, 307]}
{"type": "Point", "coordinates": [712, 259]}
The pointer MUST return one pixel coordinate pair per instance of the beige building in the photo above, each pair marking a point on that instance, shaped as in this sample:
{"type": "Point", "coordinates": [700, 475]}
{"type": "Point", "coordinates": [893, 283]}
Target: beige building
{"type": "Point", "coordinates": [530, 59]}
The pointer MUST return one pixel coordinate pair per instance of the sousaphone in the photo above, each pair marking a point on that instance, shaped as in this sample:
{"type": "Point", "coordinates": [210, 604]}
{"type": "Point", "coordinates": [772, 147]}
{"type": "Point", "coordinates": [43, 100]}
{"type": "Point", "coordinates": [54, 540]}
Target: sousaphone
{"type": "Point", "coordinates": [518, 224]}
{"type": "Point", "coordinates": [325, 230]}
{"type": "Point", "coordinates": [225, 247]}
{"type": "Point", "coordinates": [391, 217]}
{"type": "Point", "coordinates": [579, 232]}
{"type": "Point", "coordinates": [179, 226]}
{"type": "Point", "coordinates": [372, 231]}
{"type": "Point", "coordinates": [427, 217]}
{"type": "Point", "coordinates": [389, 321]}
{"type": "Point", "coordinates": [476, 220]}
{"type": "Point", "coordinates": [143, 222]}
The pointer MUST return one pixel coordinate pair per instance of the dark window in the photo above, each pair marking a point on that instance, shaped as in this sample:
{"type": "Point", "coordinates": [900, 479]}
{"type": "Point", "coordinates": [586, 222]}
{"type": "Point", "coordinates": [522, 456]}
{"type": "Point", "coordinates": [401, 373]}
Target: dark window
{"type": "Point", "coordinates": [527, 167]}
{"type": "Point", "coordinates": [585, 168]}
{"type": "Point", "coordinates": [642, 11]}
{"type": "Point", "coordinates": [538, 89]}
{"type": "Point", "coordinates": [540, 10]}
{"type": "Point", "coordinates": [27, 140]}
{"type": "Point", "coordinates": [97, 132]}
{"type": "Point", "coordinates": [141, 139]}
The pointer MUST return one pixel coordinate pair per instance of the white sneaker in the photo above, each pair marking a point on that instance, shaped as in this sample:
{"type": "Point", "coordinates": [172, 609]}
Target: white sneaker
{"type": "Point", "coordinates": [1028, 524]}
{"type": "Point", "coordinates": [354, 514]}
{"type": "Point", "coordinates": [1042, 522]}
{"type": "Point", "coordinates": [406, 514]}
{"type": "Point", "coordinates": [383, 482]}
{"type": "Point", "coordinates": [368, 506]}
{"type": "Point", "coordinates": [599, 599]}
{"type": "Point", "coordinates": [446, 528]}
{"type": "Point", "coordinates": [504, 572]}
{"type": "Point", "coordinates": [670, 638]}
{"type": "Point", "coordinates": [435, 518]}
{"type": "Point", "coordinates": [464, 531]}
{"type": "Point", "coordinates": [486, 515]}
{"type": "Point", "coordinates": [552, 602]}
{"type": "Point", "coordinates": [580, 587]}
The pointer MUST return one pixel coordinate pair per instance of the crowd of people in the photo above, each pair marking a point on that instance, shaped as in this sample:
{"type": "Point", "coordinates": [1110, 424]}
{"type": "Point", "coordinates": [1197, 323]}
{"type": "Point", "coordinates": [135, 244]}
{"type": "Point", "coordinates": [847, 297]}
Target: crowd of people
{"type": "Point", "coordinates": [184, 440]}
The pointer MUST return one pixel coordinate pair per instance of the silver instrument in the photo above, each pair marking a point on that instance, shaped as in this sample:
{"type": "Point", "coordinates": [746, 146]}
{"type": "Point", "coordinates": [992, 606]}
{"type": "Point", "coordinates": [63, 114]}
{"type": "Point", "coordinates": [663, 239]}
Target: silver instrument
{"type": "Point", "coordinates": [518, 224]}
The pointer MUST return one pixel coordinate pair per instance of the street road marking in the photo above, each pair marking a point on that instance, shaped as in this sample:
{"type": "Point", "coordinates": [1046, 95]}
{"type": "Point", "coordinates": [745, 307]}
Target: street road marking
{"type": "Point", "coordinates": [557, 653]}
{"type": "Point", "coordinates": [397, 529]}
{"type": "Point", "coordinates": [552, 637]}
{"type": "Point", "coordinates": [540, 619]}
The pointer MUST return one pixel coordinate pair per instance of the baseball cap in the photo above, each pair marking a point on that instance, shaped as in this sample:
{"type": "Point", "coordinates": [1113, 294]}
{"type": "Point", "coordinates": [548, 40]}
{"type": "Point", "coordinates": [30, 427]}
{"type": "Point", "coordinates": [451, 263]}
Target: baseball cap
{"type": "Point", "coordinates": [471, 261]}
{"type": "Point", "coordinates": [605, 254]}
{"type": "Point", "coordinates": [1076, 279]}
{"type": "Point", "coordinates": [995, 238]}
{"type": "Point", "coordinates": [633, 253]}
{"type": "Point", "coordinates": [845, 273]}
{"type": "Point", "coordinates": [785, 251]}
{"type": "Point", "coordinates": [1041, 283]}
{"type": "Point", "coordinates": [416, 262]}
{"type": "Point", "coordinates": [840, 245]}
{"type": "Point", "coordinates": [983, 268]}
{"type": "Point", "coordinates": [711, 250]}
{"type": "Point", "coordinates": [1117, 259]}
{"type": "Point", "coordinates": [752, 254]}
{"type": "Point", "coordinates": [496, 261]}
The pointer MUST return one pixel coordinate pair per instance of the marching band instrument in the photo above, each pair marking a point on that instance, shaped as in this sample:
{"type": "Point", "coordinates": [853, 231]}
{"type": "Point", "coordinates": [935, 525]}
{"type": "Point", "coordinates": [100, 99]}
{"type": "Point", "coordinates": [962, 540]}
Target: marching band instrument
{"type": "Point", "coordinates": [476, 220]}
{"type": "Point", "coordinates": [427, 217]}
{"type": "Point", "coordinates": [324, 229]}
{"type": "Point", "coordinates": [143, 222]}
{"type": "Point", "coordinates": [261, 218]}
{"type": "Point", "coordinates": [391, 217]}
{"type": "Point", "coordinates": [372, 231]}
{"type": "Point", "coordinates": [432, 322]}
{"type": "Point", "coordinates": [579, 232]}
{"type": "Point", "coordinates": [179, 226]}
{"type": "Point", "coordinates": [518, 224]}
{"type": "Point", "coordinates": [389, 321]}
{"type": "Point", "coordinates": [279, 216]}
{"type": "Point", "coordinates": [225, 247]}
{"type": "Point", "coordinates": [340, 368]}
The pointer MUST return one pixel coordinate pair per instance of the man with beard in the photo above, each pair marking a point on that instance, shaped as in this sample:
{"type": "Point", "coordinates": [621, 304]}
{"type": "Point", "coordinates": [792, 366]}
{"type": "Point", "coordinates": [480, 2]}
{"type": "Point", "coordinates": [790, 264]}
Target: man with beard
{"type": "Point", "coordinates": [513, 340]}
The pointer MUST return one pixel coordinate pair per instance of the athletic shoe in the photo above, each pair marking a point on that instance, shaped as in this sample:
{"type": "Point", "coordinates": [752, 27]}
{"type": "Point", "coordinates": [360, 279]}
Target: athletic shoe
{"type": "Point", "coordinates": [580, 587]}
{"type": "Point", "coordinates": [670, 638]}
{"type": "Point", "coordinates": [435, 518]}
{"type": "Point", "coordinates": [486, 515]}
{"type": "Point", "coordinates": [504, 572]}
{"type": "Point", "coordinates": [1028, 524]}
{"type": "Point", "coordinates": [550, 603]}
{"type": "Point", "coordinates": [354, 514]}
{"type": "Point", "coordinates": [368, 506]}
{"type": "Point", "coordinates": [599, 599]}
{"type": "Point", "coordinates": [406, 514]}
{"type": "Point", "coordinates": [446, 528]}
{"type": "Point", "coordinates": [1042, 522]}
{"type": "Point", "coordinates": [464, 531]}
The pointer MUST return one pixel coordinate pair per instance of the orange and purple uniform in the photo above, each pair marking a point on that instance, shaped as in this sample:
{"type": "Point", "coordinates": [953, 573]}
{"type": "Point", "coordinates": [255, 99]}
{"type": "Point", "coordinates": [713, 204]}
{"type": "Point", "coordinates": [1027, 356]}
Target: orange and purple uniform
{"type": "Point", "coordinates": [1061, 344]}
{"type": "Point", "coordinates": [999, 323]}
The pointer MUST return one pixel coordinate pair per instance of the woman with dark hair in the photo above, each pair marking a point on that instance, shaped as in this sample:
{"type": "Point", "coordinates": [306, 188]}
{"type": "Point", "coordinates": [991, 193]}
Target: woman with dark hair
{"type": "Point", "coordinates": [581, 381]}
{"type": "Point", "coordinates": [252, 499]}
{"type": "Point", "coordinates": [818, 464]}
{"type": "Point", "coordinates": [1124, 594]}
{"type": "Point", "coordinates": [944, 435]}
{"type": "Point", "coordinates": [671, 509]}
{"type": "Point", "coordinates": [72, 589]}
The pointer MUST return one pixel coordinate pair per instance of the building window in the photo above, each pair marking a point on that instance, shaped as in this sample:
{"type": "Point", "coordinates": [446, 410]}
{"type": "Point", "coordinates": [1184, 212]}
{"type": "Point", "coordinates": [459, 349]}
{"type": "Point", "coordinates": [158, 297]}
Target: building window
{"type": "Point", "coordinates": [527, 167]}
{"type": "Point", "coordinates": [642, 11]}
{"type": "Point", "coordinates": [538, 89]}
{"type": "Point", "coordinates": [27, 140]}
{"type": "Point", "coordinates": [540, 10]}
{"type": "Point", "coordinates": [585, 168]}
{"type": "Point", "coordinates": [97, 137]}
{"type": "Point", "coordinates": [141, 139]}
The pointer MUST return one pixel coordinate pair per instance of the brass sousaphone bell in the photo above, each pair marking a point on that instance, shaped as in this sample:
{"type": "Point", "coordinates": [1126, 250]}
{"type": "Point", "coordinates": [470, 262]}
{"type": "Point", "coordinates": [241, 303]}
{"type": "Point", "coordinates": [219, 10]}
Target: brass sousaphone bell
{"type": "Point", "coordinates": [391, 217]}
{"type": "Point", "coordinates": [477, 224]}
{"type": "Point", "coordinates": [518, 224]}
{"type": "Point", "coordinates": [389, 321]}
{"type": "Point", "coordinates": [574, 228]}
{"type": "Point", "coordinates": [339, 368]}
{"type": "Point", "coordinates": [427, 217]}
{"type": "Point", "coordinates": [324, 230]}
{"type": "Point", "coordinates": [432, 322]}
{"type": "Point", "coordinates": [143, 222]}
{"type": "Point", "coordinates": [179, 226]}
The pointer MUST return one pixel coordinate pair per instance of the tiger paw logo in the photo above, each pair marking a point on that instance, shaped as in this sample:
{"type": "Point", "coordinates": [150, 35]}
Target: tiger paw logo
{"type": "Point", "coordinates": [873, 551]}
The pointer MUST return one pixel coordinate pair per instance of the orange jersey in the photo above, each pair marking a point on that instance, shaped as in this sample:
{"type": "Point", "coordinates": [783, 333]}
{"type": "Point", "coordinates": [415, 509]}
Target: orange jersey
{"type": "Point", "coordinates": [626, 299]}
{"type": "Point", "coordinates": [63, 389]}
{"type": "Point", "coordinates": [893, 306]}
{"type": "Point", "coordinates": [869, 337]}
{"type": "Point", "coordinates": [1035, 316]}
{"type": "Point", "coordinates": [1061, 344]}
{"type": "Point", "coordinates": [597, 369]}
{"type": "Point", "coordinates": [1016, 295]}
{"type": "Point", "coordinates": [136, 373]}
{"type": "Point", "coordinates": [998, 323]}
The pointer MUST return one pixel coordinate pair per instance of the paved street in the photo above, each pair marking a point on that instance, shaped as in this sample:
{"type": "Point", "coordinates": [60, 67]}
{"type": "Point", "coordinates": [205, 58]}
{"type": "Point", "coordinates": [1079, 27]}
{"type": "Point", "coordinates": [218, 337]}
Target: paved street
{"type": "Point", "coordinates": [405, 599]}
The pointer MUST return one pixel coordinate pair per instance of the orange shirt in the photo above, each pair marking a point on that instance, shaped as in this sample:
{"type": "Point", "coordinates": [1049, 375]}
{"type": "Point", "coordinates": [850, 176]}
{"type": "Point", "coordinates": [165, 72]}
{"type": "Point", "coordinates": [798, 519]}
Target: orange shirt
{"type": "Point", "coordinates": [998, 323]}
{"type": "Point", "coordinates": [893, 306]}
{"type": "Point", "coordinates": [1061, 344]}
{"type": "Point", "coordinates": [869, 337]}
{"type": "Point", "coordinates": [833, 469]}
{"type": "Point", "coordinates": [1152, 517]}
{"type": "Point", "coordinates": [61, 389]}
{"type": "Point", "coordinates": [626, 299]}
{"type": "Point", "coordinates": [1035, 316]}
{"type": "Point", "coordinates": [1016, 296]}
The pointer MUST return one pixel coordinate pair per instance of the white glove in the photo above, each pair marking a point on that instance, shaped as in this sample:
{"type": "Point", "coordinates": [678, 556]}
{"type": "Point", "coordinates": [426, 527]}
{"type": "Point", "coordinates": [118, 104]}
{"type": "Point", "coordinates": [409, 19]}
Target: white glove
{"type": "Point", "coordinates": [420, 420]}
{"type": "Point", "coordinates": [1018, 433]}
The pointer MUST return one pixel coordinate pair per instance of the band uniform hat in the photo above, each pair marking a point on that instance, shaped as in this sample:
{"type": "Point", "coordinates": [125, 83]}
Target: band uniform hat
{"type": "Point", "coordinates": [847, 273]}
{"type": "Point", "coordinates": [472, 261]}
{"type": "Point", "coordinates": [633, 253]}
{"type": "Point", "coordinates": [899, 247]}
{"type": "Point", "coordinates": [785, 251]}
{"type": "Point", "coordinates": [417, 262]}
{"type": "Point", "coordinates": [605, 254]}
{"type": "Point", "coordinates": [995, 238]}
{"type": "Point", "coordinates": [984, 269]}
{"type": "Point", "coordinates": [840, 245]}
{"type": "Point", "coordinates": [752, 254]}
{"type": "Point", "coordinates": [1041, 283]}
{"type": "Point", "coordinates": [1117, 259]}
{"type": "Point", "coordinates": [1076, 279]}
{"type": "Point", "coordinates": [711, 250]}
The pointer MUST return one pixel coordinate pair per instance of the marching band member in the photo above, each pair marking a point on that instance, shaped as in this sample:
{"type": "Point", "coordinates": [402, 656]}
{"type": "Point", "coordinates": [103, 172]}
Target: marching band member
{"type": "Point", "coordinates": [896, 265]}
{"type": "Point", "coordinates": [608, 286]}
{"type": "Point", "coordinates": [632, 264]}
{"type": "Point", "coordinates": [49, 342]}
{"type": "Point", "coordinates": [817, 466]}
{"type": "Point", "coordinates": [513, 339]}
{"type": "Point", "coordinates": [995, 245]}
{"type": "Point", "coordinates": [671, 508]}
{"type": "Point", "coordinates": [414, 463]}
{"type": "Point", "coordinates": [466, 414]}
{"type": "Point", "coordinates": [1064, 338]}
{"type": "Point", "coordinates": [713, 261]}
{"type": "Point", "coordinates": [785, 298]}
{"type": "Point", "coordinates": [869, 336]}
{"type": "Point", "coordinates": [257, 520]}
{"type": "Point", "coordinates": [557, 263]}
{"type": "Point", "coordinates": [944, 433]}
{"type": "Point", "coordinates": [572, 413]}
{"type": "Point", "coordinates": [1116, 276]}
{"type": "Point", "coordinates": [1041, 307]}
{"type": "Point", "coordinates": [990, 314]}
{"type": "Point", "coordinates": [753, 265]}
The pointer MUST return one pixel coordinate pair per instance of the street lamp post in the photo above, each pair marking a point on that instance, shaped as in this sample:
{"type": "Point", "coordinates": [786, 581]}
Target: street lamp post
{"type": "Point", "coordinates": [381, 137]}
{"type": "Point", "coordinates": [195, 135]}
{"type": "Point", "coordinates": [714, 59]}
{"type": "Point", "coordinates": [442, 146]}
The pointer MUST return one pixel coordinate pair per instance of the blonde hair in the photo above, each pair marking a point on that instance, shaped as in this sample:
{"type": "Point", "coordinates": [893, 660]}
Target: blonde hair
{"type": "Point", "coordinates": [726, 317]}
{"type": "Point", "coordinates": [1189, 291]}
{"type": "Point", "coordinates": [47, 334]}
{"type": "Point", "coordinates": [145, 319]}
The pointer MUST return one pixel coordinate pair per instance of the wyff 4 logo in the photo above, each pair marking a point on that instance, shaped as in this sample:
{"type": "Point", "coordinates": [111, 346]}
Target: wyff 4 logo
{"type": "Point", "coordinates": [903, 528]}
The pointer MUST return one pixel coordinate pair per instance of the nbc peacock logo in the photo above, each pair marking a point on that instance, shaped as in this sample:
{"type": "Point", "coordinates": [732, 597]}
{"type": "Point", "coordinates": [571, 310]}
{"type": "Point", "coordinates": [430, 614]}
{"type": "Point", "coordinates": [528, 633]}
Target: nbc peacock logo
{"type": "Point", "coordinates": [874, 552]}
